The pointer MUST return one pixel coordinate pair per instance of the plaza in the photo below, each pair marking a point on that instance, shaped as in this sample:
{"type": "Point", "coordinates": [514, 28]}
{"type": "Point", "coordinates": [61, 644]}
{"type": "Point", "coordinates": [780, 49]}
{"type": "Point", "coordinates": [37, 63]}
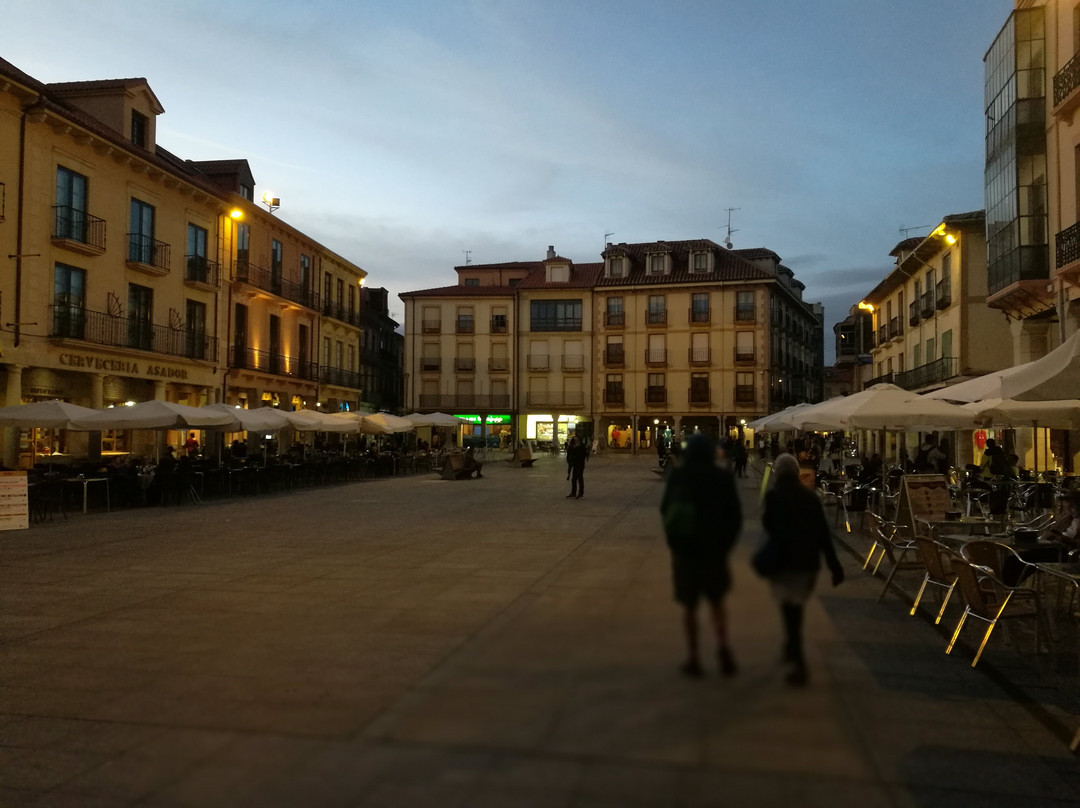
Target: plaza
{"type": "Point", "coordinates": [414, 641]}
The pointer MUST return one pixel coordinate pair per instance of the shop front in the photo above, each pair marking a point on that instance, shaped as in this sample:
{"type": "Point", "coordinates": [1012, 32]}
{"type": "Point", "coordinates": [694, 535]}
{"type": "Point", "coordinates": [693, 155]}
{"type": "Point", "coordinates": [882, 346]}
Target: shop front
{"type": "Point", "coordinates": [491, 430]}
{"type": "Point", "coordinates": [554, 431]}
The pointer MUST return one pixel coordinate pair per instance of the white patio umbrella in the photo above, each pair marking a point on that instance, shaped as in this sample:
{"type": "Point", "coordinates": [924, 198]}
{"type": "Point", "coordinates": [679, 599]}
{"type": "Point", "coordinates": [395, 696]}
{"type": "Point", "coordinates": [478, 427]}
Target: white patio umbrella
{"type": "Point", "coordinates": [44, 415]}
{"type": "Point", "coordinates": [884, 406]}
{"type": "Point", "coordinates": [778, 421]}
{"type": "Point", "coordinates": [1052, 414]}
{"type": "Point", "coordinates": [314, 421]}
{"type": "Point", "coordinates": [435, 419]}
{"type": "Point", "coordinates": [1054, 376]}
{"type": "Point", "coordinates": [259, 419]}
{"type": "Point", "coordinates": [157, 415]}
{"type": "Point", "coordinates": [383, 423]}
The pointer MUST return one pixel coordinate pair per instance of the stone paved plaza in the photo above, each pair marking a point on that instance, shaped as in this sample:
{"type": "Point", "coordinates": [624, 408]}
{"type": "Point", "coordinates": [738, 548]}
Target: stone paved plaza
{"type": "Point", "coordinates": [414, 642]}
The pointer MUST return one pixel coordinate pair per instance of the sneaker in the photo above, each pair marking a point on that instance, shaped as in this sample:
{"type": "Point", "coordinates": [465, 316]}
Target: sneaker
{"type": "Point", "coordinates": [727, 663]}
{"type": "Point", "coordinates": [691, 668]}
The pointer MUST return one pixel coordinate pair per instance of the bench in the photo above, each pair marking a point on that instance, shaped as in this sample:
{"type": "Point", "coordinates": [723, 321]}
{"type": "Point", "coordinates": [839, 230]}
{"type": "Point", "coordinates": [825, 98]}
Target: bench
{"type": "Point", "coordinates": [524, 456]}
{"type": "Point", "coordinates": [454, 468]}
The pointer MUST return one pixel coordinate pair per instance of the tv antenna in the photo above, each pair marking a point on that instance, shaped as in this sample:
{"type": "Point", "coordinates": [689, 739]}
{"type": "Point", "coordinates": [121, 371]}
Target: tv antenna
{"type": "Point", "coordinates": [468, 256]}
{"type": "Point", "coordinates": [730, 229]}
{"type": "Point", "coordinates": [906, 230]}
{"type": "Point", "coordinates": [605, 239]}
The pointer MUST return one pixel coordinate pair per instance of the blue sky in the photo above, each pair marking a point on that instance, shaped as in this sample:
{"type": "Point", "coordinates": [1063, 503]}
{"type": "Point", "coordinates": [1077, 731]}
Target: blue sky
{"type": "Point", "coordinates": [401, 134]}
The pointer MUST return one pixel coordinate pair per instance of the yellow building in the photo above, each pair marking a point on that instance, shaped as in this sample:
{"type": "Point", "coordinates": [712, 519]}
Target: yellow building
{"type": "Point", "coordinates": [130, 278]}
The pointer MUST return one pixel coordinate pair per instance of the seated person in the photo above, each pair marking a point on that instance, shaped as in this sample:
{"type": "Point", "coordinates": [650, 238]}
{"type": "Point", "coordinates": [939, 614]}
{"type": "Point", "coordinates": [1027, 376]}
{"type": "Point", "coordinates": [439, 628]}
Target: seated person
{"type": "Point", "coordinates": [472, 463]}
{"type": "Point", "coordinates": [1067, 527]}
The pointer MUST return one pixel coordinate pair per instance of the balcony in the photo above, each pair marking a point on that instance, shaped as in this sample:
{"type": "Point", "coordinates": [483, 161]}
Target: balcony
{"type": "Point", "coordinates": [71, 322]}
{"type": "Point", "coordinates": [896, 328]}
{"type": "Point", "coordinates": [201, 272]}
{"type": "Point", "coordinates": [745, 314]}
{"type": "Point", "coordinates": [614, 358]}
{"type": "Point", "coordinates": [339, 377]}
{"type": "Point", "coordinates": [339, 311]}
{"type": "Point", "coordinates": [913, 313]}
{"type": "Point", "coordinates": [498, 324]}
{"type": "Point", "coordinates": [430, 364]}
{"type": "Point", "coordinates": [1067, 250]}
{"type": "Point", "coordinates": [655, 319]}
{"type": "Point", "coordinates": [614, 395]}
{"type": "Point", "coordinates": [147, 254]}
{"type": "Point", "coordinates": [615, 319]}
{"type": "Point", "coordinates": [77, 230]}
{"type": "Point", "coordinates": [539, 362]}
{"type": "Point", "coordinates": [560, 400]}
{"type": "Point", "coordinates": [1066, 84]}
{"type": "Point", "coordinates": [464, 402]}
{"type": "Point", "coordinates": [884, 378]}
{"type": "Point", "coordinates": [699, 316]}
{"type": "Point", "coordinates": [927, 304]}
{"type": "Point", "coordinates": [655, 357]}
{"type": "Point", "coordinates": [699, 356]}
{"type": "Point", "coordinates": [655, 395]}
{"type": "Point", "coordinates": [464, 364]}
{"type": "Point", "coordinates": [744, 394]}
{"type": "Point", "coordinates": [698, 396]}
{"type": "Point", "coordinates": [464, 325]}
{"type": "Point", "coordinates": [499, 365]}
{"type": "Point", "coordinates": [943, 294]}
{"type": "Point", "coordinates": [744, 357]}
{"type": "Point", "coordinates": [882, 334]}
{"type": "Point", "coordinates": [431, 326]}
{"type": "Point", "coordinates": [935, 372]}
{"type": "Point", "coordinates": [261, 278]}
{"type": "Point", "coordinates": [276, 364]}
{"type": "Point", "coordinates": [573, 363]}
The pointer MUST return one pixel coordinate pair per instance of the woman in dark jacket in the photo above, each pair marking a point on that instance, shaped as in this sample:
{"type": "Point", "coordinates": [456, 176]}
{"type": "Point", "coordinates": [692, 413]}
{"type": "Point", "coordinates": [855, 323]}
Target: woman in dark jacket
{"type": "Point", "coordinates": [702, 518]}
{"type": "Point", "coordinates": [797, 536]}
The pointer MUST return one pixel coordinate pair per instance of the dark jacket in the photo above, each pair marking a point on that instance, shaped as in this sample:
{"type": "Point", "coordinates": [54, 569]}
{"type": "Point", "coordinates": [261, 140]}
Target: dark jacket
{"type": "Point", "coordinates": [711, 489]}
{"type": "Point", "coordinates": [576, 455]}
{"type": "Point", "coordinates": [795, 521]}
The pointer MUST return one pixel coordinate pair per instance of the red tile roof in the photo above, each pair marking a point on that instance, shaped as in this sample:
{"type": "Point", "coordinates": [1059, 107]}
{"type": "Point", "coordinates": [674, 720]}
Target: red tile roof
{"type": "Point", "coordinates": [728, 264]}
{"type": "Point", "coordinates": [582, 276]}
{"type": "Point", "coordinates": [463, 291]}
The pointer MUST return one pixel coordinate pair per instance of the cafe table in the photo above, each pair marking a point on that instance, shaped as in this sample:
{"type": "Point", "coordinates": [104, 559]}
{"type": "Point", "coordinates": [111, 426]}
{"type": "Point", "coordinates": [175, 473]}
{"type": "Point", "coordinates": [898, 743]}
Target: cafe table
{"type": "Point", "coordinates": [937, 526]}
{"type": "Point", "coordinates": [86, 487]}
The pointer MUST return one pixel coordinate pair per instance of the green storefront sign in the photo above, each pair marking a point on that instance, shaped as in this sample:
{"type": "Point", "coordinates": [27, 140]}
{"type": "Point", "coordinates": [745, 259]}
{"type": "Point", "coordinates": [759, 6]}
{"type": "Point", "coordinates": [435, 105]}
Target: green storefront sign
{"type": "Point", "coordinates": [491, 419]}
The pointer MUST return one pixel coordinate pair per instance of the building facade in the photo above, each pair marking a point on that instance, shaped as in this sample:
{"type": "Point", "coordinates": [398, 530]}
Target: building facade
{"type": "Point", "coordinates": [136, 275]}
{"type": "Point", "coordinates": [660, 335]}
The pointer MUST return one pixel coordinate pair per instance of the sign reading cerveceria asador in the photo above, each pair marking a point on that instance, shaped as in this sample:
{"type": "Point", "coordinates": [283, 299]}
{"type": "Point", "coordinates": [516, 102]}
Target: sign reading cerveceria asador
{"type": "Point", "coordinates": [125, 366]}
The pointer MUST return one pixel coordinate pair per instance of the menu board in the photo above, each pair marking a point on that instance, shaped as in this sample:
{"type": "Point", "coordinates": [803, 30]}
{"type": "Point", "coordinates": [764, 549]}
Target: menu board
{"type": "Point", "coordinates": [922, 496]}
{"type": "Point", "coordinates": [14, 508]}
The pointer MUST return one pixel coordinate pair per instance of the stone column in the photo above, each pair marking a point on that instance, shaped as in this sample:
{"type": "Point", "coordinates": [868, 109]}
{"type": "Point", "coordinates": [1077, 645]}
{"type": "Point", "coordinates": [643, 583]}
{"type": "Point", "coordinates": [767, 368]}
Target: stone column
{"type": "Point", "coordinates": [9, 436]}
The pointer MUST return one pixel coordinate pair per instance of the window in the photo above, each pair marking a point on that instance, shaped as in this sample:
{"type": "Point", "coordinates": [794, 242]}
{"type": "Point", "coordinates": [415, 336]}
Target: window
{"type": "Point", "coordinates": [656, 352]}
{"type": "Point", "coordinates": [555, 315]}
{"type": "Point", "coordinates": [744, 346]}
{"type": "Point", "coordinates": [351, 367]}
{"type": "Point", "coordinates": [305, 276]}
{"type": "Point", "coordinates": [69, 301]}
{"type": "Point", "coordinates": [744, 307]}
{"type": "Point", "coordinates": [243, 245]}
{"type": "Point", "coordinates": [655, 392]}
{"type": "Point", "coordinates": [240, 334]}
{"type": "Point", "coordinates": [140, 316]}
{"type": "Point", "coordinates": [71, 200]}
{"type": "Point", "coordinates": [614, 315]}
{"type": "Point", "coordinates": [613, 389]}
{"type": "Point", "coordinates": [246, 191]}
{"type": "Point", "coordinates": [946, 344]}
{"type": "Point", "coordinates": [700, 262]}
{"type": "Point", "coordinates": [197, 267]}
{"type": "Point", "coordinates": [930, 347]}
{"type": "Point", "coordinates": [141, 234]}
{"type": "Point", "coordinates": [699, 388]}
{"type": "Point", "coordinates": [195, 332]}
{"type": "Point", "coordinates": [326, 351]}
{"type": "Point", "coordinates": [352, 299]}
{"type": "Point", "coordinates": [472, 281]}
{"type": "Point", "coordinates": [302, 347]}
{"type": "Point", "coordinates": [613, 351]}
{"type": "Point", "coordinates": [139, 129]}
{"type": "Point", "coordinates": [276, 260]}
{"type": "Point", "coordinates": [616, 267]}
{"type": "Point", "coordinates": [465, 324]}
{"type": "Point", "coordinates": [699, 307]}
{"type": "Point", "coordinates": [744, 388]}
{"type": "Point", "coordinates": [339, 354]}
{"type": "Point", "coordinates": [657, 264]}
{"type": "Point", "coordinates": [657, 314]}
{"type": "Point", "coordinates": [699, 348]}
{"type": "Point", "coordinates": [328, 287]}
{"type": "Point", "coordinates": [498, 321]}
{"type": "Point", "coordinates": [431, 323]}
{"type": "Point", "coordinates": [340, 292]}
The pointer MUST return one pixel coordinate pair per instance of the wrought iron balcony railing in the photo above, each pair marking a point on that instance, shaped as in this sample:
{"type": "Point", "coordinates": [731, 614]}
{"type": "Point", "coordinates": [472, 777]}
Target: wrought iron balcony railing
{"type": "Point", "coordinates": [896, 328]}
{"type": "Point", "coordinates": [147, 252]}
{"type": "Point", "coordinates": [465, 364]}
{"type": "Point", "coordinates": [78, 226]}
{"type": "Point", "coordinates": [655, 395]}
{"type": "Point", "coordinates": [614, 395]}
{"type": "Point", "coordinates": [744, 394]}
{"type": "Point", "coordinates": [655, 356]}
{"type": "Point", "coordinates": [1066, 80]}
{"type": "Point", "coordinates": [615, 358]}
{"type": "Point", "coordinates": [913, 313]}
{"type": "Point", "coordinates": [927, 304]}
{"type": "Point", "coordinates": [943, 294]}
{"type": "Point", "coordinates": [698, 395]}
{"type": "Point", "coordinates": [464, 401]}
{"type": "Point", "coordinates": [656, 318]}
{"type": "Point", "coordinates": [615, 319]}
{"type": "Point", "coordinates": [939, 370]}
{"type": "Point", "coordinates": [199, 269]}
{"type": "Point", "coordinates": [699, 316]}
{"type": "Point", "coordinates": [339, 377]}
{"type": "Point", "coordinates": [573, 363]}
{"type": "Point", "coordinates": [568, 400]}
{"type": "Point", "coordinates": [498, 325]}
{"type": "Point", "coordinates": [464, 325]}
{"type": "Point", "coordinates": [73, 322]}
{"type": "Point", "coordinates": [262, 278]}
{"type": "Point", "coordinates": [431, 326]}
{"type": "Point", "coordinates": [744, 357]}
{"type": "Point", "coordinates": [244, 358]}
{"type": "Point", "coordinates": [1067, 246]}
{"type": "Point", "coordinates": [882, 334]}
{"type": "Point", "coordinates": [699, 356]}
{"type": "Point", "coordinates": [499, 364]}
{"type": "Point", "coordinates": [539, 362]}
{"type": "Point", "coordinates": [745, 314]}
{"type": "Point", "coordinates": [430, 364]}
{"type": "Point", "coordinates": [884, 378]}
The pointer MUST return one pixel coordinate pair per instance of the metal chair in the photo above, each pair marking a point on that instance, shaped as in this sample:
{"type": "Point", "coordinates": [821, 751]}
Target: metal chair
{"type": "Point", "coordinates": [933, 556]}
{"type": "Point", "coordinates": [988, 600]}
{"type": "Point", "coordinates": [893, 546]}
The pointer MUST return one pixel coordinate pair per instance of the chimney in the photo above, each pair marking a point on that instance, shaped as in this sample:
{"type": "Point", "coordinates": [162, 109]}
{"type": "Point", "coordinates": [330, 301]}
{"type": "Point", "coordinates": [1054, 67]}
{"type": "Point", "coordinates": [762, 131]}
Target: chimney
{"type": "Point", "coordinates": [551, 251]}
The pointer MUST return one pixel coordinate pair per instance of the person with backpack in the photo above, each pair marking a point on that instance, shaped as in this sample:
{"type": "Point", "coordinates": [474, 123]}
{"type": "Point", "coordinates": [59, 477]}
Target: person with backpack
{"type": "Point", "coordinates": [702, 517]}
{"type": "Point", "coordinates": [797, 535]}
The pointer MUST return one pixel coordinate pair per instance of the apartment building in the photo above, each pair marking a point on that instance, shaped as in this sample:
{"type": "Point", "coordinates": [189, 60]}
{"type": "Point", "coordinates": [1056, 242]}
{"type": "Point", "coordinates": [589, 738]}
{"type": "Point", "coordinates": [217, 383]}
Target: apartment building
{"type": "Point", "coordinates": [660, 335]}
{"type": "Point", "coordinates": [381, 353]}
{"type": "Point", "coordinates": [136, 275]}
{"type": "Point", "coordinates": [931, 324]}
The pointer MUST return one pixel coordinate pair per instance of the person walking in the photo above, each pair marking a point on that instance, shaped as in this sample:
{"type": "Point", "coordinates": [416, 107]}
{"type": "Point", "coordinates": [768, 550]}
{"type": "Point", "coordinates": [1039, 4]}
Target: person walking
{"type": "Point", "coordinates": [797, 537]}
{"type": "Point", "coordinates": [702, 517]}
{"type": "Point", "coordinates": [576, 454]}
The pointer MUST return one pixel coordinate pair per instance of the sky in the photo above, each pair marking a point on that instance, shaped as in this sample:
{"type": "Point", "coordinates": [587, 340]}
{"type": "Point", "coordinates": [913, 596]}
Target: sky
{"type": "Point", "coordinates": [411, 136]}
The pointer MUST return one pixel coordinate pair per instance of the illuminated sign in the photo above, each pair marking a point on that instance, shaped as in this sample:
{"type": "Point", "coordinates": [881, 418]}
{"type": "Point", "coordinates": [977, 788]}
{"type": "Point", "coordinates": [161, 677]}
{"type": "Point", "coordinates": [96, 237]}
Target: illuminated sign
{"type": "Point", "coordinates": [491, 419]}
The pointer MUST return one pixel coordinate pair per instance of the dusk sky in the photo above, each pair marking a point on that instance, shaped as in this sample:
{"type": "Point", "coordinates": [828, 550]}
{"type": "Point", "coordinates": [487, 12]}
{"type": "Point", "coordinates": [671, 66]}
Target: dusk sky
{"type": "Point", "coordinates": [401, 134]}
